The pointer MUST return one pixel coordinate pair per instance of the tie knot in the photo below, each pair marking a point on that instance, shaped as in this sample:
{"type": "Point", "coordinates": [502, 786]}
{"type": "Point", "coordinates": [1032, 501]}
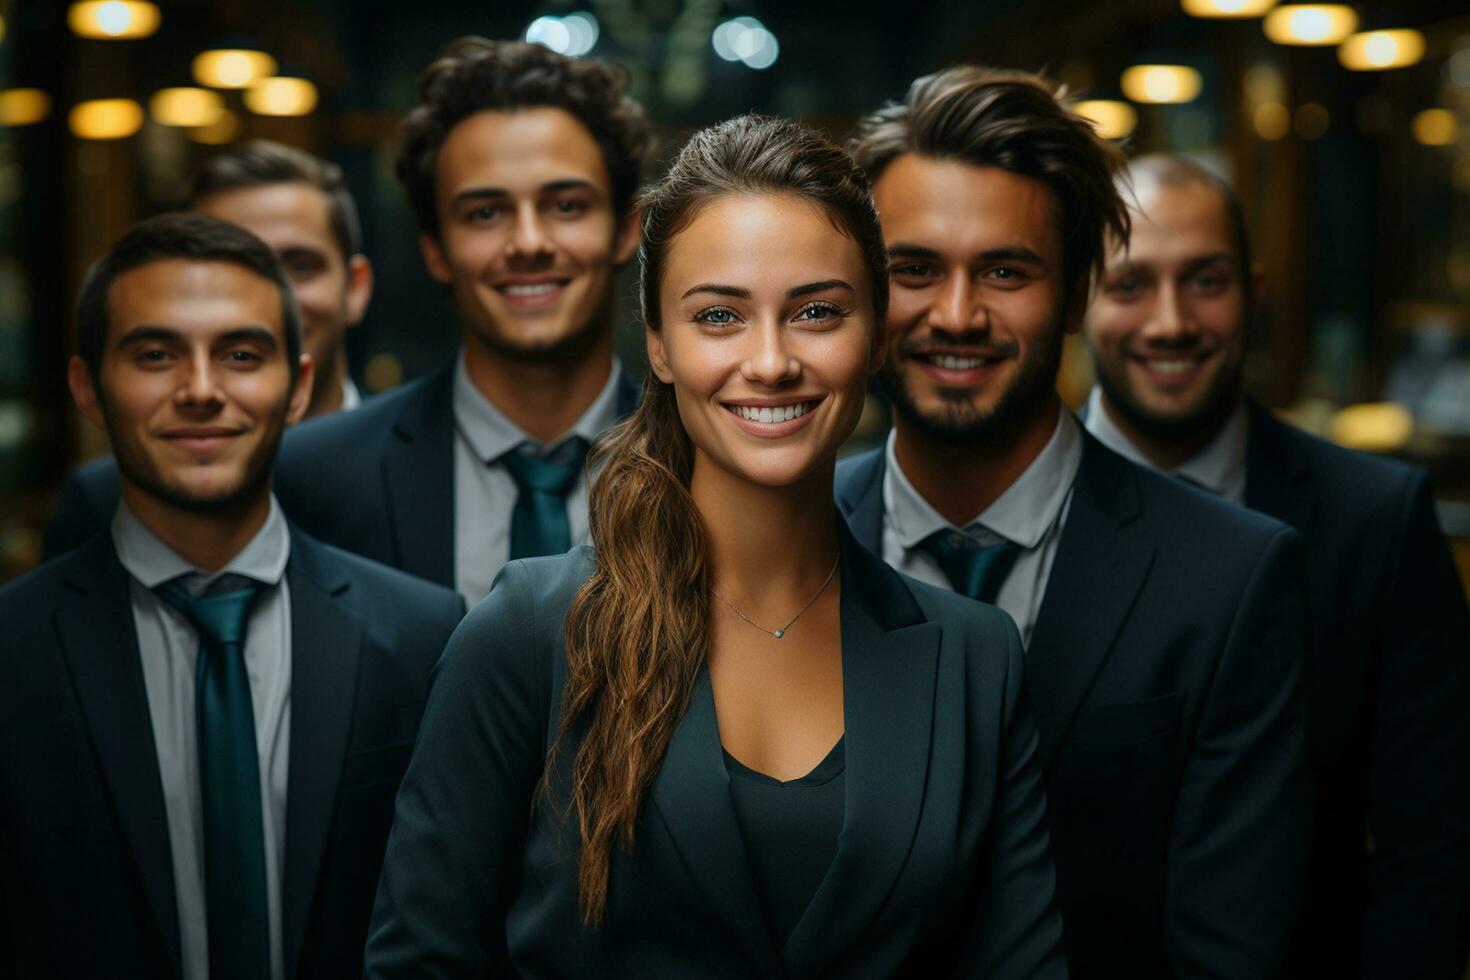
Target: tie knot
{"type": "Point", "coordinates": [220, 618]}
{"type": "Point", "coordinates": [543, 475]}
{"type": "Point", "coordinates": [973, 569]}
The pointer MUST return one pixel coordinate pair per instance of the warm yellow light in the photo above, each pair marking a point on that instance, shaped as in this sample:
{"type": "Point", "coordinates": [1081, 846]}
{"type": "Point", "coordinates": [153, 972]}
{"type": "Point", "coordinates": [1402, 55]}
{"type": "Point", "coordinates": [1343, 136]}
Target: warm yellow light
{"type": "Point", "coordinates": [1377, 50]}
{"type": "Point", "coordinates": [282, 96]}
{"type": "Point", "coordinates": [1161, 83]}
{"type": "Point", "coordinates": [113, 20]}
{"type": "Point", "coordinates": [1226, 8]}
{"type": "Point", "coordinates": [2, 28]}
{"type": "Point", "coordinates": [1311, 24]}
{"type": "Point", "coordinates": [232, 67]}
{"type": "Point", "coordinates": [1436, 127]}
{"type": "Point", "coordinates": [223, 130]}
{"type": "Point", "coordinates": [106, 119]}
{"type": "Point", "coordinates": [186, 106]}
{"type": "Point", "coordinates": [23, 106]}
{"type": "Point", "coordinates": [1377, 427]}
{"type": "Point", "coordinates": [1272, 121]}
{"type": "Point", "coordinates": [1110, 118]}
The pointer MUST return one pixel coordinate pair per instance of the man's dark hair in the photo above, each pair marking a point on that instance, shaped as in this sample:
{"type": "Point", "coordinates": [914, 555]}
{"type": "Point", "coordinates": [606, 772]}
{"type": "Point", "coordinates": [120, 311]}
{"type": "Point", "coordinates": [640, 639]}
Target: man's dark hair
{"type": "Point", "coordinates": [1018, 122]}
{"type": "Point", "coordinates": [179, 235]}
{"type": "Point", "coordinates": [262, 162]}
{"type": "Point", "coordinates": [1167, 170]}
{"type": "Point", "coordinates": [476, 74]}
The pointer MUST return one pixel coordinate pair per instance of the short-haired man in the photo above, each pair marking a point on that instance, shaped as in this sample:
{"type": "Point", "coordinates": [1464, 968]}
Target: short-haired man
{"type": "Point", "coordinates": [207, 713]}
{"type": "Point", "coordinates": [1388, 680]}
{"type": "Point", "coordinates": [298, 205]}
{"type": "Point", "coordinates": [1164, 629]}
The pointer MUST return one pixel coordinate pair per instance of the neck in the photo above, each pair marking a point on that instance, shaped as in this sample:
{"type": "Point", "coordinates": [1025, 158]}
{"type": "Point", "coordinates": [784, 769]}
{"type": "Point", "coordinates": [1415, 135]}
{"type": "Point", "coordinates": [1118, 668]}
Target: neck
{"type": "Point", "coordinates": [326, 392]}
{"type": "Point", "coordinates": [767, 545]}
{"type": "Point", "coordinates": [208, 540]}
{"type": "Point", "coordinates": [960, 482]}
{"type": "Point", "coordinates": [543, 398]}
{"type": "Point", "coordinates": [1170, 450]}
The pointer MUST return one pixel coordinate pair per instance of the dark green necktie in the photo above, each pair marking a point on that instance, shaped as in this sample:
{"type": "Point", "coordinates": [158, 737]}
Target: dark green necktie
{"type": "Point", "coordinates": [539, 524]}
{"type": "Point", "coordinates": [229, 783]}
{"type": "Point", "coordinates": [973, 570]}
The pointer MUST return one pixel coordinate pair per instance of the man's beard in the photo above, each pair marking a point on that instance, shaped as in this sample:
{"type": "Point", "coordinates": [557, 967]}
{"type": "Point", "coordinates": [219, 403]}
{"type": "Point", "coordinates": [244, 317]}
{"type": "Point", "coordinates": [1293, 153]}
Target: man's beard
{"type": "Point", "coordinates": [135, 466]}
{"type": "Point", "coordinates": [959, 422]}
{"type": "Point", "coordinates": [1217, 402]}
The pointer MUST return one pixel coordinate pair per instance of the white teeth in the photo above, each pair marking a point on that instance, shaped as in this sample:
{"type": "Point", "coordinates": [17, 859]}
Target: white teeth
{"type": "Point", "coordinates": [536, 289]}
{"type": "Point", "coordinates": [957, 363]}
{"type": "Point", "coordinates": [771, 415]}
{"type": "Point", "coordinates": [1171, 367]}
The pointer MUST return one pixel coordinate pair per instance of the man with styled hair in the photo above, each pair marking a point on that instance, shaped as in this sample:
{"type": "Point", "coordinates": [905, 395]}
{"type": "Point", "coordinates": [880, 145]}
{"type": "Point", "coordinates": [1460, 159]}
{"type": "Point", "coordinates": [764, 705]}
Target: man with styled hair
{"type": "Point", "coordinates": [298, 205]}
{"type": "Point", "coordinates": [1388, 679]}
{"type": "Point", "coordinates": [1164, 629]}
{"type": "Point", "coordinates": [207, 712]}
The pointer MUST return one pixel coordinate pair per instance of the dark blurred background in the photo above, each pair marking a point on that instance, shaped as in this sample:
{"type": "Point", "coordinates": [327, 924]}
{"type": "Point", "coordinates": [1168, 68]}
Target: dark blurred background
{"type": "Point", "coordinates": [1357, 182]}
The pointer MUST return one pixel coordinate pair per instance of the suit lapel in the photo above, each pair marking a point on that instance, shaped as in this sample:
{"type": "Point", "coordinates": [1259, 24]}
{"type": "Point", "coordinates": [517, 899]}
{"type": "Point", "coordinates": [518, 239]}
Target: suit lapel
{"type": "Point", "coordinates": [1278, 482]}
{"type": "Point", "coordinates": [890, 656]}
{"type": "Point", "coordinates": [418, 474]}
{"type": "Point", "coordinates": [1094, 581]}
{"type": "Point", "coordinates": [692, 795]}
{"type": "Point", "coordinates": [860, 498]}
{"type": "Point", "coordinates": [100, 642]}
{"type": "Point", "coordinates": [326, 643]}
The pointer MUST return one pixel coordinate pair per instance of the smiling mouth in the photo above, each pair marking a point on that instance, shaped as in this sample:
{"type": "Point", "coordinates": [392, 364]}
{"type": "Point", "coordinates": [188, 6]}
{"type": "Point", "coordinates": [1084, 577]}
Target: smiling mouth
{"type": "Point", "coordinates": [771, 414]}
{"type": "Point", "coordinates": [954, 362]}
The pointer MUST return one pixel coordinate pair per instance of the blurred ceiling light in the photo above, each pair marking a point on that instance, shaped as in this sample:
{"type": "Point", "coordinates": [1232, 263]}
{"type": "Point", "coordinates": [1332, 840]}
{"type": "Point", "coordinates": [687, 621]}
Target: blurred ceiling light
{"type": "Point", "coordinates": [1111, 118]}
{"type": "Point", "coordinates": [1165, 84]}
{"type": "Point", "coordinates": [223, 130]}
{"type": "Point", "coordinates": [23, 106]}
{"type": "Point", "coordinates": [573, 35]}
{"type": "Point", "coordinates": [1378, 50]}
{"type": "Point", "coordinates": [232, 67]}
{"type": "Point", "coordinates": [1311, 120]}
{"type": "Point", "coordinates": [1271, 120]}
{"type": "Point", "coordinates": [1376, 427]}
{"type": "Point", "coordinates": [746, 40]}
{"type": "Point", "coordinates": [106, 119]}
{"type": "Point", "coordinates": [283, 95]}
{"type": "Point", "coordinates": [1226, 8]}
{"type": "Point", "coordinates": [113, 20]}
{"type": "Point", "coordinates": [186, 106]}
{"type": "Point", "coordinates": [1311, 24]}
{"type": "Point", "coordinates": [1436, 127]}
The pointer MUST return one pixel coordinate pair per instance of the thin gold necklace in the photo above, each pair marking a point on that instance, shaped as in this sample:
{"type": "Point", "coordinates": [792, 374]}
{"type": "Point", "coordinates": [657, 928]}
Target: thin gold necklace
{"type": "Point", "coordinates": [778, 633]}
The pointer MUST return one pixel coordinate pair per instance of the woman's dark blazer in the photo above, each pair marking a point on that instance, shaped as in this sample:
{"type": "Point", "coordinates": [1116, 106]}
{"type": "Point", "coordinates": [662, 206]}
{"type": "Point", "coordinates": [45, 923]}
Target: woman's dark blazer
{"type": "Point", "coordinates": [942, 866]}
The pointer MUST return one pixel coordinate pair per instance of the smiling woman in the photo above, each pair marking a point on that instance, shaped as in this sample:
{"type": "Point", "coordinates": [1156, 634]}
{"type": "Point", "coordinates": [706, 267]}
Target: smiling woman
{"type": "Point", "coordinates": [745, 713]}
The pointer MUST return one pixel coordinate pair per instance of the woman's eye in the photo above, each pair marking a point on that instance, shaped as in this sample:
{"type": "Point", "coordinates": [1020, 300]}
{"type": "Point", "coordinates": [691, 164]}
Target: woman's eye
{"type": "Point", "coordinates": [716, 316]}
{"type": "Point", "coordinates": [819, 313]}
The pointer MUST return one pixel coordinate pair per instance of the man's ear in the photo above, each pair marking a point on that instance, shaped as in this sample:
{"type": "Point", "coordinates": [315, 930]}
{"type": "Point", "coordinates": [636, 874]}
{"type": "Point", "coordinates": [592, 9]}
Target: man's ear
{"type": "Point", "coordinates": [84, 391]}
{"type": "Point", "coordinates": [434, 259]}
{"type": "Point", "coordinates": [359, 288]}
{"type": "Point", "coordinates": [658, 358]}
{"type": "Point", "coordinates": [630, 230]}
{"type": "Point", "coordinates": [301, 391]}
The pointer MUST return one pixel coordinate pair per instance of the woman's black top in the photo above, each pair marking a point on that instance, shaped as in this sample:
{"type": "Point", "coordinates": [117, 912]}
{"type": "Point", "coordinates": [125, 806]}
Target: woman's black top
{"type": "Point", "coordinates": [790, 831]}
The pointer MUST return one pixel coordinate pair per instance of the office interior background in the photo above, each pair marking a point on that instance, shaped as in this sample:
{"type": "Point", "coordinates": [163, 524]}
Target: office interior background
{"type": "Point", "coordinates": [1346, 130]}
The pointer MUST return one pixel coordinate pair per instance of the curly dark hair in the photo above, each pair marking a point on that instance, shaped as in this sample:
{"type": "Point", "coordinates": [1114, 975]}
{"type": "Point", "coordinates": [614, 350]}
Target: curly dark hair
{"type": "Point", "coordinates": [475, 74]}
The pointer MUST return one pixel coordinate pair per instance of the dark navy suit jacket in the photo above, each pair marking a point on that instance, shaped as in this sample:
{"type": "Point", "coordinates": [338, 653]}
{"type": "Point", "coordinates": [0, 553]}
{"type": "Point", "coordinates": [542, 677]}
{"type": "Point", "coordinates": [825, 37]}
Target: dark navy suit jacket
{"type": "Point", "coordinates": [86, 881]}
{"type": "Point", "coordinates": [1164, 673]}
{"type": "Point", "coordinates": [1389, 692]}
{"type": "Point", "coordinates": [941, 867]}
{"type": "Point", "coordinates": [377, 481]}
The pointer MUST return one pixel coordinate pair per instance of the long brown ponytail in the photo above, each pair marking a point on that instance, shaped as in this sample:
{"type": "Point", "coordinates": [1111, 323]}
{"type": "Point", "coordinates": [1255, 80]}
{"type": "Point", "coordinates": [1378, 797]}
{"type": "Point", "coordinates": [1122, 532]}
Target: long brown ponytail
{"type": "Point", "coordinates": [637, 632]}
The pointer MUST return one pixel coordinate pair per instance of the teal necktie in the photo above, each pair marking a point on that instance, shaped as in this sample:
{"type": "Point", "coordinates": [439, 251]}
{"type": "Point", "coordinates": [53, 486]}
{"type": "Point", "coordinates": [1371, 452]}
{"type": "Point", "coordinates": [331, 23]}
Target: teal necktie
{"type": "Point", "coordinates": [539, 524]}
{"type": "Point", "coordinates": [229, 783]}
{"type": "Point", "coordinates": [974, 570]}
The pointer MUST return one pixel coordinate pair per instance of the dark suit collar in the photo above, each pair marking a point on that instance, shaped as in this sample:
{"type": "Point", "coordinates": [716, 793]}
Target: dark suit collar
{"type": "Point", "coordinates": [1278, 479]}
{"type": "Point", "coordinates": [889, 659]}
{"type": "Point", "coordinates": [99, 639]}
{"type": "Point", "coordinates": [859, 492]}
{"type": "Point", "coordinates": [326, 643]}
{"type": "Point", "coordinates": [418, 476]}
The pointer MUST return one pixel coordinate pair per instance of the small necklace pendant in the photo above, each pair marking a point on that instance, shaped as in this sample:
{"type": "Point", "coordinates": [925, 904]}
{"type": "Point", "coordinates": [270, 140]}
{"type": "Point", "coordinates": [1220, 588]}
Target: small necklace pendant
{"type": "Point", "coordinates": [779, 633]}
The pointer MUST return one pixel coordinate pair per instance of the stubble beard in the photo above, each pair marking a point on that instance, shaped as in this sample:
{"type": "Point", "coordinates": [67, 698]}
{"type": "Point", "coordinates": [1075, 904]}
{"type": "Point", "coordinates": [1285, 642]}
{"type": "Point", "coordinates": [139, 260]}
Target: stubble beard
{"type": "Point", "coordinates": [1216, 403]}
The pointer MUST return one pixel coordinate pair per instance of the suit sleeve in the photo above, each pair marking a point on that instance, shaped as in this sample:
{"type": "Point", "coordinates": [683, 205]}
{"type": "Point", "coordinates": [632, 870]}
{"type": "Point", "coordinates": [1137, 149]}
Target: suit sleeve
{"type": "Point", "coordinates": [1238, 844]}
{"type": "Point", "coordinates": [1419, 760]}
{"type": "Point", "coordinates": [73, 521]}
{"type": "Point", "coordinates": [1016, 930]}
{"type": "Point", "coordinates": [460, 821]}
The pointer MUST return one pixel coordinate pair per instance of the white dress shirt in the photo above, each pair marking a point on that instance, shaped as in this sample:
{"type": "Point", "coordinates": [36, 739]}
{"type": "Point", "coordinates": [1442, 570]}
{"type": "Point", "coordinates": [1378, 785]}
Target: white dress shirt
{"type": "Point", "coordinates": [351, 397]}
{"type": "Point", "coordinates": [1219, 467]}
{"type": "Point", "coordinates": [484, 491]}
{"type": "Point", "coordinates": [1030, 513]}
{"type": "Point", "coordinates": [169, 648]}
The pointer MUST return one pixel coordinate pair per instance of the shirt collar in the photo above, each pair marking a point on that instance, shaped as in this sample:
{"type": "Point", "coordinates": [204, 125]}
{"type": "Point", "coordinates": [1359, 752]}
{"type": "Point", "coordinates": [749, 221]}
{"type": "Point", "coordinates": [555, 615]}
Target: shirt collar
{"type": "Point", "coordinates": [351, 397]}
{"type": "Point", "coordinates": [1022, 514]}
{"type": "Point", "coordinates": [490, 434]}
{"type": "Point", "coordinates": [1219, 467]}
{"type": "Point", "coordinates": [147, 559]}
